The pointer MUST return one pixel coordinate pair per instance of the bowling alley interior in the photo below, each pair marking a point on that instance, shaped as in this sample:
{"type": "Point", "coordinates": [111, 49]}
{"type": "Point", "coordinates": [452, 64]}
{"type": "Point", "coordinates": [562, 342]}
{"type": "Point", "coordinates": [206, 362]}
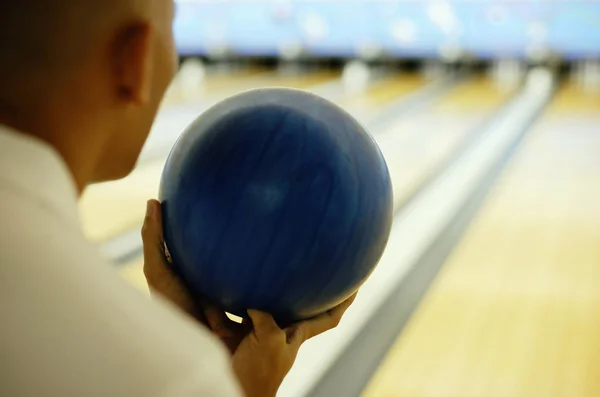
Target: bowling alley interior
{"type": "Point", "coordinates": [487, 114]}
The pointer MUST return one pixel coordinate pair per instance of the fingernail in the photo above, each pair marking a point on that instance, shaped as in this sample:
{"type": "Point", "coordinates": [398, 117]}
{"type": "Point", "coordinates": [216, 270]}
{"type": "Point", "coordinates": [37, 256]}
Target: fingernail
{"type": "Point", "coordinates": [150, 209]}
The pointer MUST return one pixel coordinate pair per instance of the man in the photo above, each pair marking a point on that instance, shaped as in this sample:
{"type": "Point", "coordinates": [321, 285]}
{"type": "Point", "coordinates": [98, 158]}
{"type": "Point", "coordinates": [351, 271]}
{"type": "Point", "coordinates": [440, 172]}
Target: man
{"type": "Point", "coordinates": [81, 82]}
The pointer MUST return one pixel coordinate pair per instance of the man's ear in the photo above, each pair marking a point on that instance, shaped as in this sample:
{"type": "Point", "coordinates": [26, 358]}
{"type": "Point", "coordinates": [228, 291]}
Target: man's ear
{"type": "Point", "coordinates": [132, 63]}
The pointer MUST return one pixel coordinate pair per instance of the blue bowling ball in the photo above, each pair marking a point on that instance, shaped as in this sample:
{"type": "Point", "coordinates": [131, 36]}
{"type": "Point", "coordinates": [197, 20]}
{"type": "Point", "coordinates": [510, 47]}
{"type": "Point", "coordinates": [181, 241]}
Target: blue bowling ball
{"type": "Point", "coordinates": [276, 199]}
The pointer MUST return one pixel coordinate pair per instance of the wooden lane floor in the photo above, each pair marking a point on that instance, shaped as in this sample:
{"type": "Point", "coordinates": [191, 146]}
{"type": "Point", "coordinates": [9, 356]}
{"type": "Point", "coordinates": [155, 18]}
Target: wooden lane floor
{"type": "Point", "coordinates": [180, 109]}
{"type": "Point", "coordinates": [381, 93]}
{"type": "Point", "coordinates": [418, 145]}
{"type": "Point", "coordinates": [213, 83]}
{"type": "Point", "coordinates": [110, 209]}
{"type": "Point", "coordinates": [221, 85]}
{"type": "Point", "coordinates": [515, 311]}
{"type": "Point", "coordinates": [222, 81]}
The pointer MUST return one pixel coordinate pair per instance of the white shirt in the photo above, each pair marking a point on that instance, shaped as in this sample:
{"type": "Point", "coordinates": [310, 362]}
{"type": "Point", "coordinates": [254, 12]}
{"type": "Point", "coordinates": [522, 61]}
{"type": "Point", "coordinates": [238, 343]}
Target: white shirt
{"type": "Point", "coordinates": [70, 326]}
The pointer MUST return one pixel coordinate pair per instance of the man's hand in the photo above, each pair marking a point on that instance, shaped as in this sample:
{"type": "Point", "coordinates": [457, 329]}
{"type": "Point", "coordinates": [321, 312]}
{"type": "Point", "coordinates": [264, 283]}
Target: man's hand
{"type": "Point", "coordinates": [262, 352]}
{"type": "Point", "coordinates": [267, 354]}
{"type": "Point", "coordinates": [164, 282]}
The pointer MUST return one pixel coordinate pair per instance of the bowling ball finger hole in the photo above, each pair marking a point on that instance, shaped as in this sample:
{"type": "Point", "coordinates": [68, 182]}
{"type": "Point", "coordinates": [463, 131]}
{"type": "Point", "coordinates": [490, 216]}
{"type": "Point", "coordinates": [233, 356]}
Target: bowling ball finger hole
{"type": "Point", "coordinates": [234, 318]}
{"type": "Point", "coordinates": [167, 254]}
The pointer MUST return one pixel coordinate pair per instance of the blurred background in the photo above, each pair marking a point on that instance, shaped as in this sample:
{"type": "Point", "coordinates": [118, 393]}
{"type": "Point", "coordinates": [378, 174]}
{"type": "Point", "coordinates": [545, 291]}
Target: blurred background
{"type": "Point", "coordinates": [488, 114]}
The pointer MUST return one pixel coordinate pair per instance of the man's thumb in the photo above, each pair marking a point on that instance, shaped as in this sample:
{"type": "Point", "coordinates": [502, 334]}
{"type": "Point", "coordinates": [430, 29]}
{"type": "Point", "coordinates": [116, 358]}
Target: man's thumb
{"type": "Point", "coordinates": [152, 230]}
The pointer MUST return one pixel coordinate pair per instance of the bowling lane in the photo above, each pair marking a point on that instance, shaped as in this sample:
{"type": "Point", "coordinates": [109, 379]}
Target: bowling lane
{"type": "Point", "coordinates": [187, 97]}
{"type": "Point", "coordinates": [113, 208]}
{"type": "Point", "coordinates": [515, 311]}
{"type": "Point", "coordinates": [189, 91]}
{"type": "Point", "coordinates": [329, 83]}
{"type": "Point", "coordinates": [116, 207]}
{"type": "Point", "coordinates": [412, 147]}
{"type": "Point", "coordinates": [381, 93]}
{"type": "Point", "coordinates": [417, 146]}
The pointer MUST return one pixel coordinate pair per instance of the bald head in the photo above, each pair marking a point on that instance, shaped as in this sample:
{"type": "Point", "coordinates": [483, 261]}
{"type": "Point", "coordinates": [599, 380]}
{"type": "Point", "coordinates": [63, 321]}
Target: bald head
{"type": "Point", "coordinates": [44, 41]}
{"type": "Point", "coordinates": [80, 73]}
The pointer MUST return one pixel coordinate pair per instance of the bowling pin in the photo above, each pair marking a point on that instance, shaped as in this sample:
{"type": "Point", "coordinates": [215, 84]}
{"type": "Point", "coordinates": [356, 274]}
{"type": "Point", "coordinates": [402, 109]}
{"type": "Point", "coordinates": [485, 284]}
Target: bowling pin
{"type": "Point", "coordinates": [539, 80]}
{"type": "Point", "coordinates": [591, 77]}
{"type": "Point", "coordinates": [368, 50]}
{"type": "Point", "coordinates": [433, 70]}
{"type": "Point", "coordinates": [290, 50]}
{"type": "Point", "coordinates": [356, 77]}
{"type": "Point", "coordinates": [507, 74]}
{"type": "Point", "coordinates": [191, 79]}
{"type": "Point", "coordinates": [576, 74]}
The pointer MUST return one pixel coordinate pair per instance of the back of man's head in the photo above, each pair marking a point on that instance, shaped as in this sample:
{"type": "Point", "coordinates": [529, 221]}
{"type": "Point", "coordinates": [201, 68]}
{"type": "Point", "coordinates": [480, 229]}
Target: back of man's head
{"type": "Point", "coordinates": [84, 74]}
{"type": "Point", "coordinates": [43, 41]}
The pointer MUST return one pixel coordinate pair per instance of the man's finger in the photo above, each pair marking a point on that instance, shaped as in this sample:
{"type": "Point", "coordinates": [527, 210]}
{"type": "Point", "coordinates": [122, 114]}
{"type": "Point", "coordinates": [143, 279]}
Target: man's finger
{"type": "Point", "coordinates": [264, 324]}
{"type": "Point", "coordinates": [316, 326]}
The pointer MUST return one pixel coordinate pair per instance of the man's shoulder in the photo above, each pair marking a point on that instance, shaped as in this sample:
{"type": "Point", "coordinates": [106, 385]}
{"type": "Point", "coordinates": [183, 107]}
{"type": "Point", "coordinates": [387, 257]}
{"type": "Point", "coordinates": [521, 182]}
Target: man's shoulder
{"type": "Point", "coordinates": [31, 232]}
{"type": "Point", "coordinates": [75, 327]}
